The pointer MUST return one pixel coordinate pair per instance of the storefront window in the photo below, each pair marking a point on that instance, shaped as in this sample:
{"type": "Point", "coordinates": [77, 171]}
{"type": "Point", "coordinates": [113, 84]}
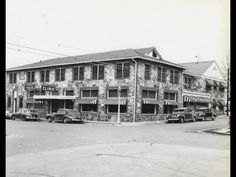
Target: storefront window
{"type": "Point", "coordinates": [148, 108]}
{"type": "Point", "coordinates": [114, 108]}
{"type": "Point", "coordinates": [21, 102]}
{"type": "Point", "coordinates": [89, 107]}
{"type": "Point", "coordinates": [149, 94]}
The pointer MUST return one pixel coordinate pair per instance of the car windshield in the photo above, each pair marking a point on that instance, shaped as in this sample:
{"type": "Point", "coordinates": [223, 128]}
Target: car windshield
{"type": "Point", "coordinates": [178, 110]}
{"type": "Point", "coordinates": [61, 111]}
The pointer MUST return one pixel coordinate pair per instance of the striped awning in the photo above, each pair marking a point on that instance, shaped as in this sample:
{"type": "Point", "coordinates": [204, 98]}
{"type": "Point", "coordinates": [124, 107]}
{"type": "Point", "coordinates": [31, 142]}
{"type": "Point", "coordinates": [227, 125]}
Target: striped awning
{"type": "Point", "coordinates": [210, 82]}
{"type": "Point", "coordinates": [115, 101]}
{"type": "Point", "coordinates": [169, 102]}
{"type": "Point", "coordinates": [222, 102]}
{"type": "Point", "coordinates": [87, 101]}
{"type": "Point", "coordinates": [196, 99]}
{"type": "Point", "coordinates": [53, 97]}
{"type": "Point", "coordinates": [150, 101]}
{"type": "Point", "coordinates": [31, 100]}
{"type": "Point", "coordinates": [222, 85]}
{"type": "Point", "coordinates": [216, 83]}
{"type": "Point", "coordinates": [216, 102]}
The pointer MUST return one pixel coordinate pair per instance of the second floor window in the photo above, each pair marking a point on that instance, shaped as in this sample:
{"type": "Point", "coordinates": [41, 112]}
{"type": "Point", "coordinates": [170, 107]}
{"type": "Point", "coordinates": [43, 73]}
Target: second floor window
{"type": "Point", "coordinates": [60, 74]}
{"type": "Point", "coordinates": [122, 70]}
{"type": "Point", "coordinates": [12, 78]}
{"type": "Point", "coordinates": [98, 72]}
{"type": "Point", "coordinates": [161, 75]}
{"type": "Point", "coordinates": [78, 73]}
{"type": "Point", "coordinates": [44, 76]}
{"type": "Point", "coordinates": [187, 82]}
{"type": "Point", "coordinates": [9, 102]}
{"type": "Point", "coordinates": [69, 92]}
{"type": "Point", "coordinates": [113, 93]}
{"type": "Point", "coordinates": [149, 94]}
{"type": "Point", "coordinates": [89, 93]}
{"type": "Point", "coordinates": [147, 73]}
{"type": "Point", "coordinates": [30, 76]}
{"type": "Point", "coordinates": [170, 96]}
{"type": "Point", "coordinates": [174, 76]}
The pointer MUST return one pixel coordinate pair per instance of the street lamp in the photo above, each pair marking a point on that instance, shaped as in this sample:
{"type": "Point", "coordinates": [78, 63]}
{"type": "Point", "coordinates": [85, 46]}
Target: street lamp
{"type": "Point", "coordinates": [118, 117]}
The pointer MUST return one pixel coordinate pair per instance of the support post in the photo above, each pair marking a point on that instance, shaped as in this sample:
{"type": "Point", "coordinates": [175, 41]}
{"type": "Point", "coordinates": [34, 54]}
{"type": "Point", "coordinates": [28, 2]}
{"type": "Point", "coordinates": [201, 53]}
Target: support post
{"type": "Point", "coordinates": [118, 117]}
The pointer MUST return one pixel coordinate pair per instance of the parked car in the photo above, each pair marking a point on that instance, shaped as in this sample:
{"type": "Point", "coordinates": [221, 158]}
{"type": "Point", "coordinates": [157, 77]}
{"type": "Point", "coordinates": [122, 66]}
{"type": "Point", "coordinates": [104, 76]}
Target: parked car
{"type": "Point", "coordinates": [8, 115]}
{"type": "Point", "coordinates": [182, 115]}
{"type": "Point", "coordinates": [64, 115]}
{"type": "Point", "coordinates": [205, 113]}
{"type": "Point", "coordinates": [25, 114]}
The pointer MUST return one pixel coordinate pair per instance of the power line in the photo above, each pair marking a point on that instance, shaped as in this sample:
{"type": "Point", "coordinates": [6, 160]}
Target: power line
{"type": "Point", "coordinates": [36, 49]}
{"type": "Point", "coordinates": [20, 50]}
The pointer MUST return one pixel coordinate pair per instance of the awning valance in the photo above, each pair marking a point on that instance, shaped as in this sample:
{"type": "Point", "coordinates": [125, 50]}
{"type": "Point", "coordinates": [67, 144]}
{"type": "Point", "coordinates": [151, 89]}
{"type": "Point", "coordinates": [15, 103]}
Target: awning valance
{"type": "Point", "coordinates": [216, 83]}
{"type": "Point", "coordinates": [87, 101]}
{"type": "Point", "coordinates": [196, 99]}
{"type": "Point", "coordinates": [150, 101]}
{"type": "Point", "coordinates": [53, 97]}
{"type": "Point", "coordinates": [210, 82]}
{"type": "Point", "coordinates": [31, 100]}
{"type": "Point", "coordinates": [115, 101]}
{"type": "Point", "coordinates": [170, 102]}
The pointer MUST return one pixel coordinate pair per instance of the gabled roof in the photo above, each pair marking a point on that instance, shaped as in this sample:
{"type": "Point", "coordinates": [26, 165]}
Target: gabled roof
{"type": "Point", "coordinates": [96, 57]}
{"type": "Point", "coordinates": [197, 68]}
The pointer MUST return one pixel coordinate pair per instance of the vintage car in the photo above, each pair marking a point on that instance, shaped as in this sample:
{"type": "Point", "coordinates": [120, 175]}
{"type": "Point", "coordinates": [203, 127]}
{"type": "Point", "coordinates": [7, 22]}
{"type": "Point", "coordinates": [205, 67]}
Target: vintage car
{"type": "Point", "coordinates": [64, 115]}
{"type": "Point", "coordinates": [25, 114]}
{"type": "Point", "coordinates": [181, 115]}
{"type": "Point", "coordinates": [204, 114]}
{"type": "Point", "coordinates": [8, 115]}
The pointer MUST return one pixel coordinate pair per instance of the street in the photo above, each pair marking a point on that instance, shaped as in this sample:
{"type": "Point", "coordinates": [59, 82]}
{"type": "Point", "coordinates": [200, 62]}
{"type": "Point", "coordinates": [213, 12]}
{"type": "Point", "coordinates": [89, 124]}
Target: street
{"type": "Point", "coordinates": [165, 149]}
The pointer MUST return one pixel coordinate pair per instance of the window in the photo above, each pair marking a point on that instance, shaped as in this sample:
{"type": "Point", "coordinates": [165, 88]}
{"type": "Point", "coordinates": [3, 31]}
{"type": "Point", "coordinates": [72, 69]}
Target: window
{"type": "Point", "coordinates": [98, 72]}
{"type": "Point", "coordinates": [31, 94]}
{"type": "Point", "coordinates": [147, 73]}
{"type": "Point", "coordinates": [78, 73]}
{"type": "Point", "coordinates": [30, 76]}
{"type": "Point", "coordinates": [69, 92]}
{"type": "Point", "coordinates": [113, 93]}
{"type": "Point", "coordinates": [148, 108]}
{"type": "Point", "coordinates": [161, 75]}
{"type": "Point", "coordinates": [56, 92]}
{"type": "Point", "coordinates": [114, 108]}
{"type": "Point", "coordinates": [187, 82]}
{"type": "Point", "coordinates": [122, 70]}
{"type": "Point", "coordinates": [174, 76]}
{"type": "Point", "coordinates": [60, 74]}
{"type": "Point", "coordinates": [21, 102]}
{"type": "Point", "coordinates": [44, 76]}
{"type": "Point", "coordinates": [89, 93]}
{"type": "Point", "coordinates": [89, 107]}
{"type": "Point", "coordinates": [149, 94]}
{"type": "Point", "coordinates": [12, 78]}
{"type": "Point", "coordinates": [170, 96]}
{"type": "Point", "coordinates": [9, 102]}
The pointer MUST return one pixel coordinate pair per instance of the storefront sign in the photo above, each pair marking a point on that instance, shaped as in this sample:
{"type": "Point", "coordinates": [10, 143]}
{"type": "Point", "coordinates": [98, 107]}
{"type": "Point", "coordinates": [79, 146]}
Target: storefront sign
{"type": "Point", "coordinates": [48, 88]}
{"type": "Point", "coordinates": [29, 87]}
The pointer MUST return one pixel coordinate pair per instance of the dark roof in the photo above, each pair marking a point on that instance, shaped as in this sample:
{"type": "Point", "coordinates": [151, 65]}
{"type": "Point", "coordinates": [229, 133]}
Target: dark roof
{"type": "Point", "coordinates": [96, 57]}
{"type": "Point", "coordinates": [197, 68]}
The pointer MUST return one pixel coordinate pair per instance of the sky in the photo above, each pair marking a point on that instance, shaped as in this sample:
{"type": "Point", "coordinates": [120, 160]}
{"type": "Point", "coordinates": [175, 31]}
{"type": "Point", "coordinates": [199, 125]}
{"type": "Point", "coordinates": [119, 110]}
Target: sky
{"type": "Point", "coordinates": [181, 30]}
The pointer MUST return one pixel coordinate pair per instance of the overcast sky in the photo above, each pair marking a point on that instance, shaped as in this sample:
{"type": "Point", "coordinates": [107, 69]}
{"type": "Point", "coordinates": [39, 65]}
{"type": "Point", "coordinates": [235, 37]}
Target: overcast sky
{"type": "Point", "coordinates": [179, 29]}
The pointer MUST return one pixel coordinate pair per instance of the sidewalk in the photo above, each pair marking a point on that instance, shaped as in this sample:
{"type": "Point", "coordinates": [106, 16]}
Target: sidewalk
{"type": "Point", "coordinates": [222, 131]}
{"type": "Point", "coordinates": [122, 159]}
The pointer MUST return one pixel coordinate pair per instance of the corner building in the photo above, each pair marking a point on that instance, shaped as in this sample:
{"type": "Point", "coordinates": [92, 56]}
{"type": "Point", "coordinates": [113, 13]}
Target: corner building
{"type": "Point", "coordinates": [150, 86]}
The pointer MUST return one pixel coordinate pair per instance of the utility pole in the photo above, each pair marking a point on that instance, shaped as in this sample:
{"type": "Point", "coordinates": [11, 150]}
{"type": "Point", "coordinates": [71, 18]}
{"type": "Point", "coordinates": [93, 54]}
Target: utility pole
{"type": "Point", "coordinates": [118, 117]}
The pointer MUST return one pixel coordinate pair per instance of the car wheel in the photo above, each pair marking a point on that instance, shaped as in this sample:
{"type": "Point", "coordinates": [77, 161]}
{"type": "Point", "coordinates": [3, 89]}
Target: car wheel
{"type": "Point", "coordinates": [49, 120]}
{"type": "Point", "coordinates": [181, 120]}
{"type": "Point", "coordinates": [66, 120]}
{"type": "Point", "coordinates": [194, 119]}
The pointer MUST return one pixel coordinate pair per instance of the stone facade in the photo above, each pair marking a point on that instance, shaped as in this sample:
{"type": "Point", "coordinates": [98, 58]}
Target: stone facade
{"type": "Point", "coordinates": [109, 80]}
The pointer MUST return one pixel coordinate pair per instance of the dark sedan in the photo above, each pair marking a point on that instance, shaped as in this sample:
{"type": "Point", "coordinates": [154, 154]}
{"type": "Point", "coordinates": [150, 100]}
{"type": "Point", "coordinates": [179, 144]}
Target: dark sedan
{"type": "Point", "coordinates": [182, 115]}
{"type": "Point", "coordinates": [64, 115]}
{"type": "Point", "coordinates": [25, 114]}
{"type": "Point", "coordinates": [205, 113]}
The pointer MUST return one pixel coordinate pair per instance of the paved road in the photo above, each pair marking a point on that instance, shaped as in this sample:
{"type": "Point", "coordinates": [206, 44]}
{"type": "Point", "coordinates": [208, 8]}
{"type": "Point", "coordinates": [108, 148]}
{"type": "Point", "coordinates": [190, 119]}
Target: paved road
{"type": "Point", "coordinates": [43, 149]}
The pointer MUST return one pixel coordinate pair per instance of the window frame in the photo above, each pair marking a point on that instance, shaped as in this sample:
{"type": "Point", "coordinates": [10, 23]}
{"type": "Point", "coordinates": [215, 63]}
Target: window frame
{"type": "Point", "coordinates": [127, 92]}
{"type": "Point", "coordinates": [155, 110]}
{"type": "Point", "coordinates": [115, 113]}
{"type": "Point", "coordinates": [123, 70]}
{"type": "Point", "coordinates": [168, 97]}
{"type": "Point", "coordinates": [45, 78]}
{"type": "Point", "coordinates": [147, 72]}
{"type": "Point", "coordinates": [60, 74]}
{"type": "Point", "coordinates": [80, 75]}
{"type": "Point", "coordinates": [161, 75]}
{"type": "Point", "coordinates": [99, 75]}
{"type": "Point", "coordinates": [156, 94]}
{"type": "Point", "coordinates": [174, 77]}
{"type": "Point", "coordinates": [30, 76]}
{"type": "Point", "coordinates": [9, 100]}
{"type": "Point", "coordinates": [90, 93]}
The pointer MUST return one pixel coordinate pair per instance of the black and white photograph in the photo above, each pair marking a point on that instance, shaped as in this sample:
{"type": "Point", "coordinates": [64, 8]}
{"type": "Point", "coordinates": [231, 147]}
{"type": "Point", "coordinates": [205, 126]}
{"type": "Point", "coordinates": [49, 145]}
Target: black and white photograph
{"type": "Point", "coordinates": [117, 88]}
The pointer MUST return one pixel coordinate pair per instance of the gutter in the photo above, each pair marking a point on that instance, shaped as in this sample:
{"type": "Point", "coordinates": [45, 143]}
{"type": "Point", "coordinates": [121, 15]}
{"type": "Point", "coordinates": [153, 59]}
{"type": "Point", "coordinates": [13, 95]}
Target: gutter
{"type": "Point", "coordinates": [135, 90]}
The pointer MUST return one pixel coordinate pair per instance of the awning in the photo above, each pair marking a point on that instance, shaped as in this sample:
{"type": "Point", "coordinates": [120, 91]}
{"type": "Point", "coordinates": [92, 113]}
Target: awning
{"type": "Point", "coordinates": [31, 100]}
{"type": "Point", "coordinates": [216, 83]}
{"type": "Point", "coordinates": [115, 101]}
{"type": "Point", "coordinates": [169, 102]}
{"type": "Point", "coordinates": [216, 102]}
{"type": "Point", "coordinates": [87, 101]}
{"type": "Point", "coordinates": [53, 97]}
{"type": "Point", "coordinates": [149, 101]}
{"type": "Point", "coordinates": [210, 82]}
{"type": "Point", "coordinates": [222, 85]}
{"type": "Point", "coordinates": [196, 99]}
{"type": "Point", "coordinates": [222, 102]}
